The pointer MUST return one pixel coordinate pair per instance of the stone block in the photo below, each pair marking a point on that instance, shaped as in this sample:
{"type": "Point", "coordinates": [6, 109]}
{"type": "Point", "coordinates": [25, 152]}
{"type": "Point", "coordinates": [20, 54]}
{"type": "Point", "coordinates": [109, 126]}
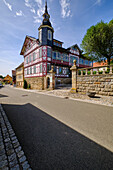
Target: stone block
{"type": "Point", "coordinates": [110, 93]}
{"type": "Point", "coordinates": [103, 93]}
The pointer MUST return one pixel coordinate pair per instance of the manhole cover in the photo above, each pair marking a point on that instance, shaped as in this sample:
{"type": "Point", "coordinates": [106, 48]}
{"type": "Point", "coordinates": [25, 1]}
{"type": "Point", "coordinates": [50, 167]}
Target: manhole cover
{"type": "Point", "coordinates": [24, 95]}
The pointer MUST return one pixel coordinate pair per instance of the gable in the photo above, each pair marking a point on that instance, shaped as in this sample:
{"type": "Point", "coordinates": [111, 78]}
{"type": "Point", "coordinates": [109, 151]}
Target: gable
{"type": "Point", "coordinates": [75, 49]}
{"type": "Point", "coordinates": [28, 44]}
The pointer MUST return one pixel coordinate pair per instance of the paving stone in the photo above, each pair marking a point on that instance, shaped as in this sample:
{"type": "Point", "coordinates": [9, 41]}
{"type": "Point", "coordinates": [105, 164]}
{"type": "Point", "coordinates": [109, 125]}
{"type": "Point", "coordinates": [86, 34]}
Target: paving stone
{"type": "Point", "coordinates": [3, 157]}
{"type": "Point", "coordinates": [7, 140]}
{"type": "Point", "coordinates": [16, 145]}
{"type": "Point", "coordinates": [22, 159]}
{"type": "Point", "coordinates": [18, 149]}
{"type": "Point", "coordinates": [25, 165]}
{"type": "Point", "coordinates": [13, 163]}
{"type": "Point", "coordinates": [9, 152]}
{"type": "Point", "coordinates": [5, 168]}
{"type": "Point", "coordinates": [14, 138]}
{"type": "Point", "coordinates": [3, 163]}
{"type": "Point", "coordinates": [2, 152]}
{"type": "Point", "coordinates": [21, 153]}
{"type": "Point", "coordinates": [8, 136]}
{"type": "Point", "coordinates": [12, 157]}
{"type": "Point", "coordinates": [9, 146]}
{"type": "Point", "coordinates": [15, 141]}
{"type": "Point", "coordinates": [1, 147]}
{"type": "Point", "coordinates": [16, 167]}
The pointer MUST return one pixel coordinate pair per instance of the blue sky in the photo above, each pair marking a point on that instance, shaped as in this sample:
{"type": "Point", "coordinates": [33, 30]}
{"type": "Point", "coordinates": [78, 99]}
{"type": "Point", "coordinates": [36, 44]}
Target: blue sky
{"type": "Point", "coordinates": [70, 19]}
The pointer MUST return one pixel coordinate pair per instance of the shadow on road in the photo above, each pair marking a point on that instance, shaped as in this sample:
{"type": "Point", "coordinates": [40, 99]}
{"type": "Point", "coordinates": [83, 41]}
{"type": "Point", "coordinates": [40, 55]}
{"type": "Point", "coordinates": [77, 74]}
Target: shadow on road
{"type": "Point", "coordinates": [51, 145]}
{"type": "Point", "coordinates": [2, 95]}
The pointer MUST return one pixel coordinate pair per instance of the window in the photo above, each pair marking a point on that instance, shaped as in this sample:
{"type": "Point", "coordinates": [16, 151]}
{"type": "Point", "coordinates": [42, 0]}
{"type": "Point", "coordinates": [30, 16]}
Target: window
{"type": "Point", "coordinates": [81, 61]}
{"type": "Point", "coordinates": [49, 52]}
{"type": "Point", "coordinates": [30, 70]}
{"type": "Point", "coordinates": [60, 70]}
{"type": "Point", "coordinates": [27, 71]}
{"type": "Point", "coordinates": [48, 67]}
{"type": "Point", "coordinates": [86, 62]}
{"type": "Point", "coordinates": [65, 58]}
{"type": "Point", "coordinates": [72, 58]}
{"type": "Point", "coordinates": [40, 68]}
{"type": "Point", "coordinates": [49, 35]}
{"type": "Point", "coordinates": [30, 58]}
{"type": "Point", "coordinates": [54, 55]}
{"type": "Point", "coordinates": [58, 56]}
{"type": "Point", "coordinates": [90, 63]}
{"type": "Point", "coordinates": [26, 60]}
{"type": "Point", "coordinates": [40, 52]}
{"type": "Point", "coordinates": [34, 69]}
{"type": "Point", "coordinates": [34, 56]}
{"type": "Point", "coordinates": [54, 69]}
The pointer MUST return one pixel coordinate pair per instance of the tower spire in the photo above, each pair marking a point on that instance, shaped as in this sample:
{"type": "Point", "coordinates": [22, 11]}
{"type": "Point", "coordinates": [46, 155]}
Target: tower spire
{"type": "Point", "coordinates": [46, 7]}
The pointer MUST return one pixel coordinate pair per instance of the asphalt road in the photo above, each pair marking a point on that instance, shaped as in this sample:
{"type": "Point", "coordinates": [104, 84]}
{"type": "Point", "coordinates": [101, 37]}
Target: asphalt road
{"type": "Point", "coordinates": [58, 133]}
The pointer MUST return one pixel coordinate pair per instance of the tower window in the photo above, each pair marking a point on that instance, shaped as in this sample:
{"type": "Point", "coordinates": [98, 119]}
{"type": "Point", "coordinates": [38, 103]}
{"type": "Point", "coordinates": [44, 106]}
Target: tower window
{"type": "Point", "coordinates": [40, 35]}
{"type": "Point", "coordinates": [49, 35]}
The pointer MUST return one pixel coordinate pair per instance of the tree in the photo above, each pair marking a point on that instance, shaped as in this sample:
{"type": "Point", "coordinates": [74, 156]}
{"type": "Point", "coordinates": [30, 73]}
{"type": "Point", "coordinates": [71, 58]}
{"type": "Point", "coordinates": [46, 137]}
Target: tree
{"type": "Point", "coordinates": [25, 84]}
{"type": "Point", "coordinates": [98, 42]}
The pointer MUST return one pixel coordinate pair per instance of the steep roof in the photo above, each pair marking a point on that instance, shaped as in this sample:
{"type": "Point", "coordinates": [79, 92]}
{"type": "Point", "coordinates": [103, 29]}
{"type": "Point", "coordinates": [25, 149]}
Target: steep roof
{"type": "Point", "coordinates": [25, 43]}
{"type": "Point", "coordinates": [21, 65]}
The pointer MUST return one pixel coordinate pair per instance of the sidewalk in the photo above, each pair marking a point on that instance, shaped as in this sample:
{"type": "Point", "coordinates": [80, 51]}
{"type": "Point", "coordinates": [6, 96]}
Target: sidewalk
{"type": "Point", "coordinates": [65, 93]}
{"type": "Point", "coordinates": [11, 154]}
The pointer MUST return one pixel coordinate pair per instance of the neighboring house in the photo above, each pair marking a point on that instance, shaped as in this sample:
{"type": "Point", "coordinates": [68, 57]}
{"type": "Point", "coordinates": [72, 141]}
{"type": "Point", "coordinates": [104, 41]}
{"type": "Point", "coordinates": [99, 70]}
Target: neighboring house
{"type": "Point", "coordinates": [20, 75]}
{"type": "Point", "coordinates": [1, 80]}
{"type": "Point", "coordinates": [40, 54]}
{"type": "Point", "coordinates": [14, 76]}
{"type": "Point", "coordinates": [99, 64]}
{"type": "Point", "coordinates": [8, 79]}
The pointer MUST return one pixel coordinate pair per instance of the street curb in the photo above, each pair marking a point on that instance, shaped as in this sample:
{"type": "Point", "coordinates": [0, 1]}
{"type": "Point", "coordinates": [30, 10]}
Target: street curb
{"type": "Point", "coordinates": [11, 154]}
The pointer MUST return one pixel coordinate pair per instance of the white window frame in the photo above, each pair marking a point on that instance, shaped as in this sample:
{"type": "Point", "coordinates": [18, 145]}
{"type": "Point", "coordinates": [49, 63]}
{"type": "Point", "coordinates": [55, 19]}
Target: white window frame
{"type": "Point", "coordinates": [49, 35]}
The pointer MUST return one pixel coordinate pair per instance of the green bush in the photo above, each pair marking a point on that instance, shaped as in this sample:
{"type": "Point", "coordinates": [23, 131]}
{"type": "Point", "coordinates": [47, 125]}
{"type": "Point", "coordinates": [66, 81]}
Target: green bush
{"type": "Point", "coordinates": [89, 72]}
{"type": "Point", "coordinates": [94, 72]}
{"type": "Point", "coordinates": [100, 72]}
{"type": "Point", "coordinates": [84, 72]}
{"type": "Point", "coordinates": [29, 86]}
{"type": "Point", "coordinates": [79, 72]}
{"type": "Point", "coordinates": [25, 84]}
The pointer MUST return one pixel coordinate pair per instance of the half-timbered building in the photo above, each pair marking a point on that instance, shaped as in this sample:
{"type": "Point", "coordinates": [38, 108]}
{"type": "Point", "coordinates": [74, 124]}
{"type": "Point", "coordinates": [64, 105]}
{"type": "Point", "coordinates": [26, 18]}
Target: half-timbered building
{"type": "Point", "coordinates": [39, 54]}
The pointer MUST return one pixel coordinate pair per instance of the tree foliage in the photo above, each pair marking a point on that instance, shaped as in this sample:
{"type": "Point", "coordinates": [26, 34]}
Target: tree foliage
{"type": "Point", "coordinates": [98, 42]}
{"type": "Point", "coordinates": [25, 84]}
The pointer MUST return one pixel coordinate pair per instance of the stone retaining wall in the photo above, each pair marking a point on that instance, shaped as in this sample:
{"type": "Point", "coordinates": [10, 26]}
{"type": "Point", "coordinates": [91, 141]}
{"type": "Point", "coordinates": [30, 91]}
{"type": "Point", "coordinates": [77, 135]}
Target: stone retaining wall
{"type": "Point", "coordinates": [36, 82]}
{"type": "Point", "coordinates": [101, 84]}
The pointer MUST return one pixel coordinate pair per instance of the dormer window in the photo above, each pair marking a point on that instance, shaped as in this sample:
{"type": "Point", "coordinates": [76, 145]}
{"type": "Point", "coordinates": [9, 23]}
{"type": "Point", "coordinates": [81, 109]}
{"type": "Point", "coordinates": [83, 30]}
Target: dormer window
{"type": "Point", "coordinates": [49, 35]}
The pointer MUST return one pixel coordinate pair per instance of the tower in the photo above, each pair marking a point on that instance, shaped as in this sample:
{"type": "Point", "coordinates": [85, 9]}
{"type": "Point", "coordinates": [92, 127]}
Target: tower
{"type": "Point", "coordinates": [46, 30]}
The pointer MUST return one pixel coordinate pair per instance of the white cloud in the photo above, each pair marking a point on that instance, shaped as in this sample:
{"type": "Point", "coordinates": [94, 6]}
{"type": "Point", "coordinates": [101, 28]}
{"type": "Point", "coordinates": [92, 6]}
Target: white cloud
{"type": "Point", "coordinates": [37, 20]}
{"type": "Point", "coordinates": [33, 10]}
{"type": "Point", "coordinates": [40, 11]}
{"type": "Point", "coordinates": [8, 5]}
{"type": "Point", "coordinates": [39, 2]}
{"type": "Point", "coordinates": [20, 13]}
{"type": "Point", "coordinates": [65, 8]}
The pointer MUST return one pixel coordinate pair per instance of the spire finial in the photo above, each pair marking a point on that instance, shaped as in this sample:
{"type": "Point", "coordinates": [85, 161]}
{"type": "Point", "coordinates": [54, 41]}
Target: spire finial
{"type": "Point", "coordinates": [46, 6]}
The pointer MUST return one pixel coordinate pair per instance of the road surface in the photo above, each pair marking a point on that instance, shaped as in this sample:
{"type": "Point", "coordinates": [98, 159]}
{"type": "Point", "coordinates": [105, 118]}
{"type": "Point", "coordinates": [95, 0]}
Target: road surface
{"type": "Point", "coordinates": [58, 133]}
